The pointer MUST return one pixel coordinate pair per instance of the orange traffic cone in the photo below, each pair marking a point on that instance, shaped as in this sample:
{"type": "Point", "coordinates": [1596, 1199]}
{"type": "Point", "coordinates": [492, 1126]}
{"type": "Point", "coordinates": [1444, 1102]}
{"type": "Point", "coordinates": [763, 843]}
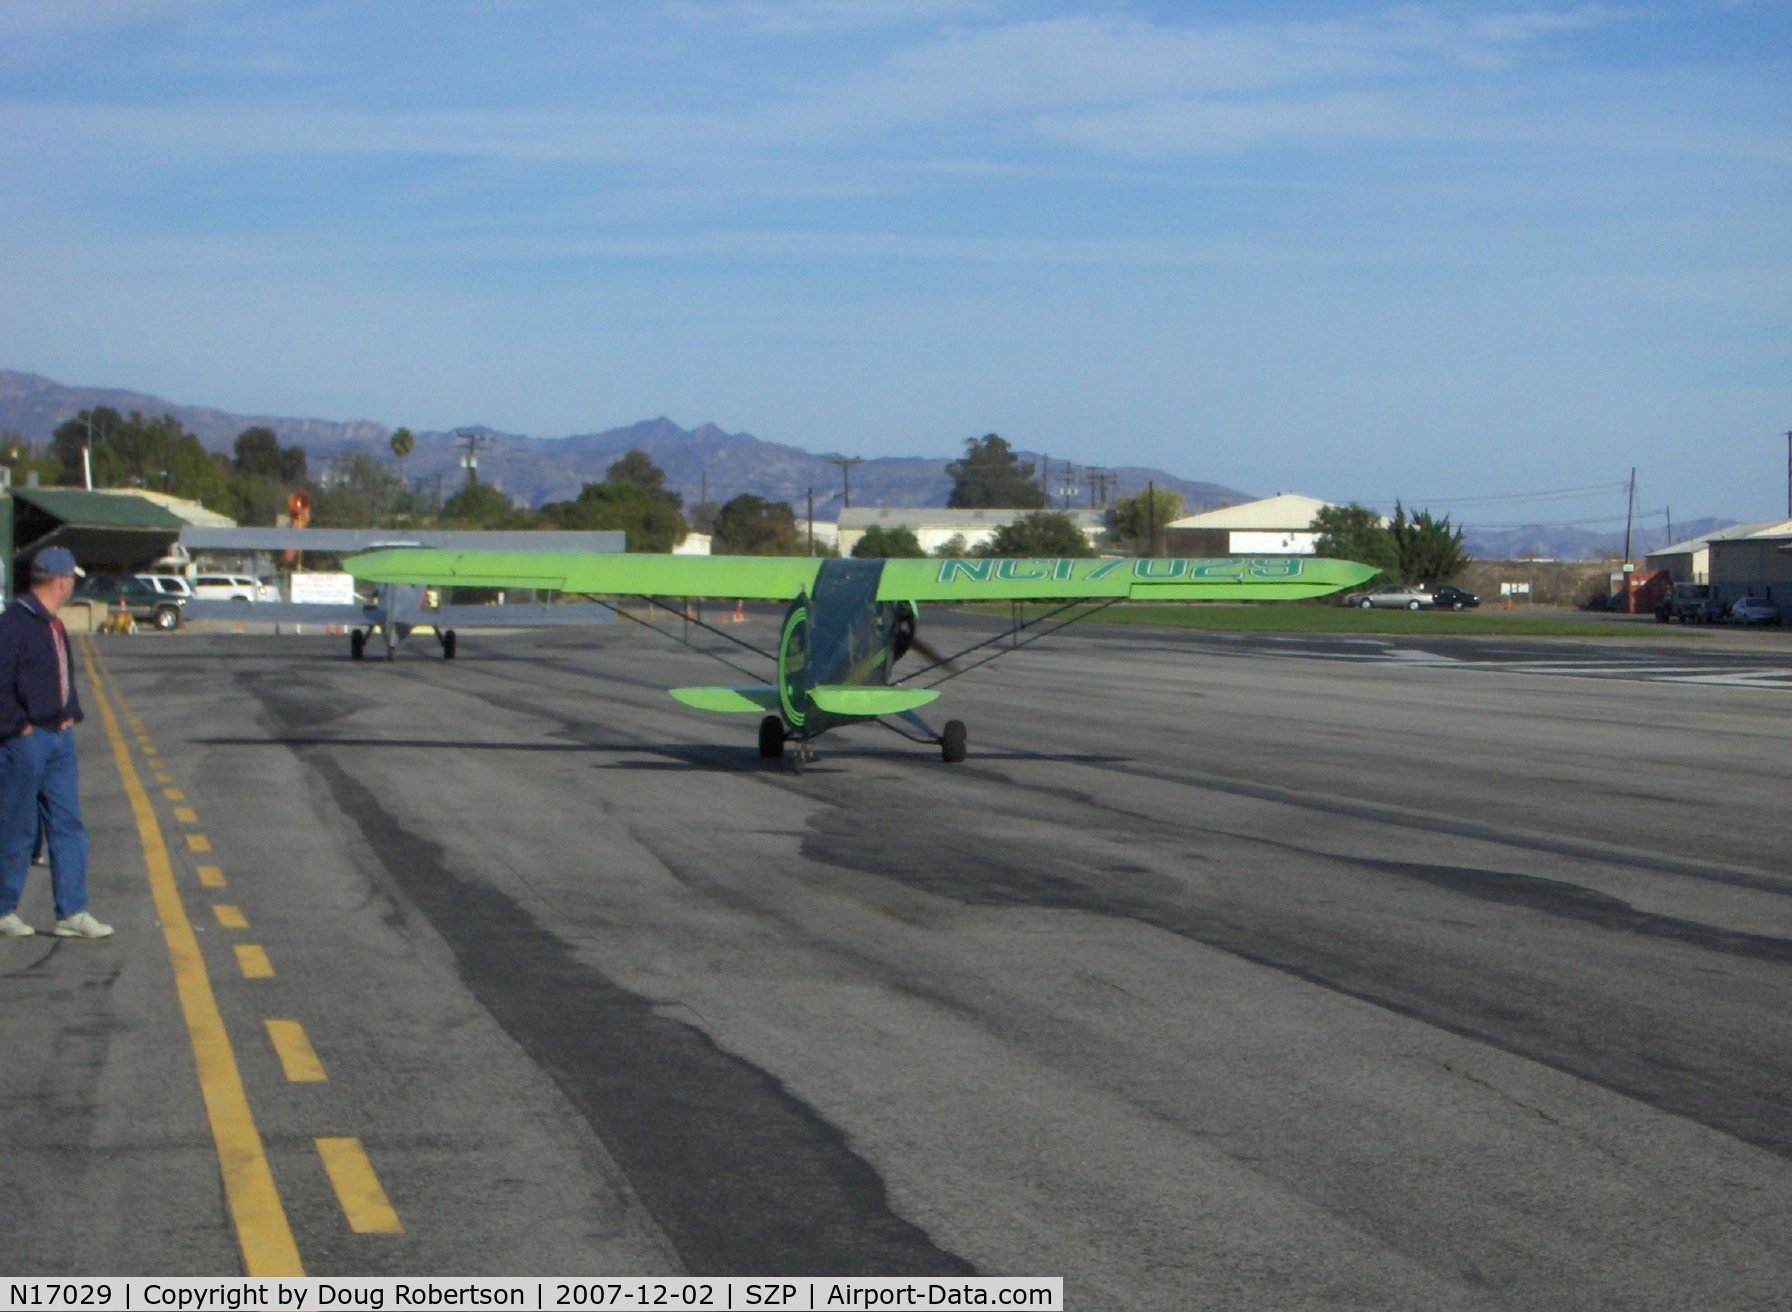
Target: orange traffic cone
{"type": "Point", "coordinates": [740, 611]}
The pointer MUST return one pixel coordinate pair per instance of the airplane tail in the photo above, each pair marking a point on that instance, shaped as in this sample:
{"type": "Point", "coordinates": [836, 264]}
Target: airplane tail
{"type": "Point", "coordinates": [856, 699]}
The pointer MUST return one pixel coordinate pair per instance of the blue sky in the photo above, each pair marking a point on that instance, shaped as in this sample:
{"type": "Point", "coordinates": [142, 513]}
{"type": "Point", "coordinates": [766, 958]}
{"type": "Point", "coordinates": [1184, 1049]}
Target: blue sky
{"type": "Point", "coordinates": [1435, 251]}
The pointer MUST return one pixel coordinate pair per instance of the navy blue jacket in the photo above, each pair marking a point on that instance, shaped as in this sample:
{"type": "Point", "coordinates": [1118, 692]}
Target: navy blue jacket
{"type": "Point", "coordinates": [30, 692]}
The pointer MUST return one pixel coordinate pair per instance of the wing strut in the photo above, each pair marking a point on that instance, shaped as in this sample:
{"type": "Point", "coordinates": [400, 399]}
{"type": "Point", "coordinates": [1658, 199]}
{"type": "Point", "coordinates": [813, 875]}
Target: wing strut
{"type": "Point", "coordinates": [1009, 635]}
{"type": "Point", "coordinates": [686, 642]}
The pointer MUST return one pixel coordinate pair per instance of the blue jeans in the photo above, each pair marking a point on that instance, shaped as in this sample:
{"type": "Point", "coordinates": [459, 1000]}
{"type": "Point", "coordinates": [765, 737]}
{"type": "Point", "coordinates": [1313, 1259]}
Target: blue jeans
{"type": "Point", "coordinates": [39, 787]}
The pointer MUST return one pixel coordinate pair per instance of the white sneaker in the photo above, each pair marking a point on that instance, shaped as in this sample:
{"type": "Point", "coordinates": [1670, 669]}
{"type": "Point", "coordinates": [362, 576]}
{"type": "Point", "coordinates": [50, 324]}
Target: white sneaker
{"type": "Point", "coordinates": [81, 925]}
{"type": "Point", "coordinates": [12, 927]}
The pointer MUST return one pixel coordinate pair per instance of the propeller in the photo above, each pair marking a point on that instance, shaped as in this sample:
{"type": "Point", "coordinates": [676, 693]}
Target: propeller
{"type": "Point", "coordinates": [904, 637]}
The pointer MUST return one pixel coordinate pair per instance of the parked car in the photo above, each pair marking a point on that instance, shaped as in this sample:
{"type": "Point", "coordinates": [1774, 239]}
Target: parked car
{"type": "Point", "coordinates": [1399, 596]}
{"type": "Point", "coordinates": [1454, 599]}
{"type": "Point", "coordinates": [1692, 603]}
{"type": "Point", "coordinates": [1755, 610]}
{"type": "Point", "coordinates": [232, 587]}
{"type": "Point", "coordinates": [147, 603]}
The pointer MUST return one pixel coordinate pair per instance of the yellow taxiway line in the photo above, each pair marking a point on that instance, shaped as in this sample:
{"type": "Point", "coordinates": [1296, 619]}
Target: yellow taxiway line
{"type": "Point", "coordinates": [262, 1230]}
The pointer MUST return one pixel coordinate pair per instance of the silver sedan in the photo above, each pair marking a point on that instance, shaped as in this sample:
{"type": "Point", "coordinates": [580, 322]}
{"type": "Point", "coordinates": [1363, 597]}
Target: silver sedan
{"type": "Point", "coordinates": [1397, 596]}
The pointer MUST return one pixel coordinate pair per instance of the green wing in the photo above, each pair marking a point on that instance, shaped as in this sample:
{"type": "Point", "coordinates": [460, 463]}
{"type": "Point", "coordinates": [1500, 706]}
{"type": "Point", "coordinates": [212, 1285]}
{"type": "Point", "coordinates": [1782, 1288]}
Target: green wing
{"type": "Point", "coordinates": [780, 578]}
{"type": "Point", "coordinates": [767, 578]}
{"type": "Point", "coordinates": [1272, 578]}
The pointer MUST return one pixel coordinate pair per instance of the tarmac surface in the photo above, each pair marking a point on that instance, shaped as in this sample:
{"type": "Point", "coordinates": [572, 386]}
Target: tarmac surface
{"type": "Point", "coordinates": [1231, 973]}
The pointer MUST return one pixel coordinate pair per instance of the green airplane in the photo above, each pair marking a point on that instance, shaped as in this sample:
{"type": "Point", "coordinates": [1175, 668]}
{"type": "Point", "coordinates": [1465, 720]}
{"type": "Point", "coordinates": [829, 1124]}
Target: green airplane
{"type": "Point", "coordinates": [849, 622]}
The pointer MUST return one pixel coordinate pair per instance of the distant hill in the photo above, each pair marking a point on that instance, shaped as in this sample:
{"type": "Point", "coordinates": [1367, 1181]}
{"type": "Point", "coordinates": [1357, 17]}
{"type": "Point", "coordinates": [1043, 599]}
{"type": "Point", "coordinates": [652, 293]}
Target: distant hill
{"type": "Point", "coordinates": [1541, 542]}
{"type": "Point", "coordinates": [537, 469]}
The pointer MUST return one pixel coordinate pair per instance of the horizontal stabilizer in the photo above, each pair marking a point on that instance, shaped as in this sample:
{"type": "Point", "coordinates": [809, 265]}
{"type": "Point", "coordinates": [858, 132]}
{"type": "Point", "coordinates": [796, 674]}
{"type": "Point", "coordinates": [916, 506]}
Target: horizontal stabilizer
{"type": "Point", "coordinates": [753, 697]}
{"type": "Point", "coordinates": [851, 699]}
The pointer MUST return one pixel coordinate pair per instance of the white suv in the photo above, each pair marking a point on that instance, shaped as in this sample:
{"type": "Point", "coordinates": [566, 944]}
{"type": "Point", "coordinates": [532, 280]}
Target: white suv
{"type": "Point", "coordinates": [230, 587]}
{"type": "Point", "coordinates": [169, 585]}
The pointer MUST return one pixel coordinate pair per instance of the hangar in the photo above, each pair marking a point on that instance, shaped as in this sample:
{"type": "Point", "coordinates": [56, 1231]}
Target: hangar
{"type": "Point", "coordinates": [1691, 561]}
{"type": "Point", "coordinates": [1281, 525]}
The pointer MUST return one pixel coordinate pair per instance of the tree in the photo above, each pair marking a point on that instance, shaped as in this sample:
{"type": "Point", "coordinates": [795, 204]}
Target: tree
{"type": "Point", "coordinates": [403, 443]}
{"type": "Point", "coordinates": [894, 543]}
{"type": "Point", "coordinates": [1043, 534]}
{"type": "Point", "coordinates": [637, 468]}
{"type": "Point", "coordinates": [257, 452]}
{"type": "Point", "coordinates": [992, 475]}
{"type": "Point", "coordinates": [361, 490]}
{"type": "Point", "coordinates": [750, 525]}
{"type": "Point", "coordinates": [1355, 532]}
{"type": "Point", "coordinates": [480, 505]}
{"type": "Point", "coordinates": [1139, 519]}
{"type": "Point", "coordinates": [1426, 550]}
{"type": "Point", "coordinates": [650, 521]}
{"type": "Point", "coordinates": [951, 547]}
{"type": "Point", "coordinates": [72, 436]}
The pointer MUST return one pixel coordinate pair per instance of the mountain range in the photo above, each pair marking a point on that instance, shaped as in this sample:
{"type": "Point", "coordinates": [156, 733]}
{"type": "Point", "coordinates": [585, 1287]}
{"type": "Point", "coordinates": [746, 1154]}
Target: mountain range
{"type": "Point", "coordinates": [700, 462]}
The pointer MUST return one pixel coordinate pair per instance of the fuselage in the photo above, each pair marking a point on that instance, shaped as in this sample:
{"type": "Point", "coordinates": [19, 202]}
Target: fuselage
{"type": "Point", "coordinates": [840, 634]}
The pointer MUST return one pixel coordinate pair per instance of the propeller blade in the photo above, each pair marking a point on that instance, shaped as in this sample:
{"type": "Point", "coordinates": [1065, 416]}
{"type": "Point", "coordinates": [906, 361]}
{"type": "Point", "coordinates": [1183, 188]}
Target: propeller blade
{"type": "Point", "coordinates": [927, 649]}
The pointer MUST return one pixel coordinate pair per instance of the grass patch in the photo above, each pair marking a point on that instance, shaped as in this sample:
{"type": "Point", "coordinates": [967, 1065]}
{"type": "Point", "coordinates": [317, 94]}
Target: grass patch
{"type": "Point", "coordinates": [1287, 617]}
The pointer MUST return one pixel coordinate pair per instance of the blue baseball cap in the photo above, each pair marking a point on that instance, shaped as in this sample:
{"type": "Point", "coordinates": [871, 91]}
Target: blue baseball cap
{"type": "Point", "coordinates": [54, 562]}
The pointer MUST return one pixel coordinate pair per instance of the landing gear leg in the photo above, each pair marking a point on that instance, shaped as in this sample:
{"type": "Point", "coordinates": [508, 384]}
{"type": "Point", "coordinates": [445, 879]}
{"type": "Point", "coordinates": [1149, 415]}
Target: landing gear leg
{"type": "Point", "coordinates": [771, 737]}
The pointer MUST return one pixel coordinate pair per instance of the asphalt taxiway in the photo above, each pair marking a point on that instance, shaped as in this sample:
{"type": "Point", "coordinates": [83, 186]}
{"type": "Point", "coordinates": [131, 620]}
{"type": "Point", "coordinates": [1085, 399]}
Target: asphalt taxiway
{"type": "Point", "coordinates": [1224, 973]}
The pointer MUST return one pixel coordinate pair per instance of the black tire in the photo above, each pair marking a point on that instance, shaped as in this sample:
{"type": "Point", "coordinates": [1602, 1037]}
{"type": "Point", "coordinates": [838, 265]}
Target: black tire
{"type": "Point", "coordinates": [167, 618]}
{"type": "Point", "coordinates": [448, 645]}
{"type": "Point", "coordinates": [952, 741]}
{"type": "Point", "coordinates": [1366, 604]}
{"type": "Point", "coordinates": [357, 644]}
{"type": "Point", "coordinates": [771, 737]}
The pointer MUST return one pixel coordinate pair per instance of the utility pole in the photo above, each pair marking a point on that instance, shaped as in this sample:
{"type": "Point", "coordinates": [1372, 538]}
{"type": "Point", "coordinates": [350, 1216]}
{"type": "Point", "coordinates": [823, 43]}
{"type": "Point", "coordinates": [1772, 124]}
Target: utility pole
{"type": "Point", "coordinates": [470, 460]}
{"type": "Point", "coordinates": [1069, 482]}
{"type": "Point", "coordinates": [811, 521]}
{"type": "Point", "coordinates": [846, 463]}
{"type": "Point", "coordinates": [1629, 515]}
{"type": "Point", "coordinates": [1045, 476]}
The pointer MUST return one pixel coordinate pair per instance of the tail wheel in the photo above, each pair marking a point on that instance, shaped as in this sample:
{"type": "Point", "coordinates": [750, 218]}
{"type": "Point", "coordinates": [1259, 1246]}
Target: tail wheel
{"type": "Point", "coordinates": [357, 644]}
{"type": "Point", "coordinates": [448, 645]}
{"type": "Point", "coordinates": [952, 741]}
{"type": "Point", "coordinates": [771, 737]}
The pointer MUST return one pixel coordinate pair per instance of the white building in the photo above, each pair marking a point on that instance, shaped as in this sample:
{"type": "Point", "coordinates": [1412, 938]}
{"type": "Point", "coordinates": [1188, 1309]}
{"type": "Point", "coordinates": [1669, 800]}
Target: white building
{"type": "Point", "coordinates": [1275, 526]}
{"type": "Point", "coordinates": [934, 526]}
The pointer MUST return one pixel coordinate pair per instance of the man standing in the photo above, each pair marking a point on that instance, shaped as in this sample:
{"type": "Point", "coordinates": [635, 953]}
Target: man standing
{"type": "Point", "coordinates": [38, 779]}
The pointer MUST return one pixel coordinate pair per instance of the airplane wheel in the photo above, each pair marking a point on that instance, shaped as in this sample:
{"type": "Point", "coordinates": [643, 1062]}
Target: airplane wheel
{"type": "Point", "coordinates": [357, 644]}
{"type": "Point", "coordinates": [448, 645]}
{"type": "Point", "coordinates": [952, 741]}
{"type": "Point", "coordinates": [771, 737]}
